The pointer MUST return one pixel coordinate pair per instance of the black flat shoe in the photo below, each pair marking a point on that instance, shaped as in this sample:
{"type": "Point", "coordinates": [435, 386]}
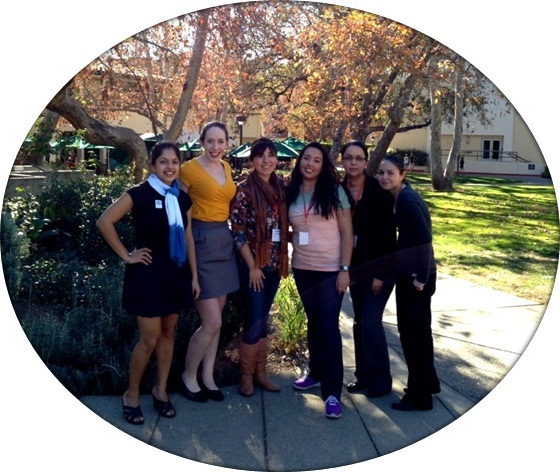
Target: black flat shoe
{"type": "Point", "coordinates": [165, 409]}
{"type": "Point", "coordinates": [199, 396]}
{"type": "Point", "coordinates": [215, 395]}
{"type": "Point", "coordinates": [406, 403]}
{"type": "Point", "coordinates": [354, 387]}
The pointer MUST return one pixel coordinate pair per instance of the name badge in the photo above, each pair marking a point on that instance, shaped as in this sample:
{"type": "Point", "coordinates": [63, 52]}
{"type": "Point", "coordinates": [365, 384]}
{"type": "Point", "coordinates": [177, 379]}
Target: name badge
{"type": "Point", "coordinates": [275, 235]}
{"type": "Point", "coordinates": [159, 204]}
{"type": "Point", "coordinates": [304, 238]}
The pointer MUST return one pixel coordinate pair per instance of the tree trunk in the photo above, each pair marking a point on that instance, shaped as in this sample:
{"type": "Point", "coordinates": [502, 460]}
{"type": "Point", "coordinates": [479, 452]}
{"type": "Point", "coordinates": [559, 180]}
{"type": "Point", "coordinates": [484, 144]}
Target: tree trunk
{"type": "Point", "coordinates": [396, 113]}
{"type": "Point", "coordinates": [458, 129]}
{"type": "Point", "coordinates": [99, 132]}
{"type": "Point", "coordinates": [191, 80]}
{"type": "Point", "coordinates": [438, 180]}
{"type": "Point", "coordinates": [337, 139]}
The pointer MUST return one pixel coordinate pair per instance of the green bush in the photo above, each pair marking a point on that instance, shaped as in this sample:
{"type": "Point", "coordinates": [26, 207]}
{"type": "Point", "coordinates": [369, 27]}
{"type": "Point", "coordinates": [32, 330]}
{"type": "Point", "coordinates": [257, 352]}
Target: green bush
{"type": "Point", "coordinates": [69, 293]}
{"type": "Point", "coordinates": [14, 247]}
{"type": "Point", "coordinates": [290, 317]}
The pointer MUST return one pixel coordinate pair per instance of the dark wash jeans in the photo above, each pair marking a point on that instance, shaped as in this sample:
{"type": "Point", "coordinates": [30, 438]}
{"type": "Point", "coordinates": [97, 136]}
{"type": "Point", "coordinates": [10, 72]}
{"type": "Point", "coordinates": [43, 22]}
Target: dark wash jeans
{"type": "Point", "coordinates": [414, 321]}
{"type": "Point", "coordinates": [322, 304]}
{"type": "Point", "coordinates": [370, 343]}
{"type": "Point", "coordinates": [257, 304]}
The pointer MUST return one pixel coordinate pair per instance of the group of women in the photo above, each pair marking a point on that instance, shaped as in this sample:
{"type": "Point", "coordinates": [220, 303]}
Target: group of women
{"type": "Point", "coordinates": [199, 237]}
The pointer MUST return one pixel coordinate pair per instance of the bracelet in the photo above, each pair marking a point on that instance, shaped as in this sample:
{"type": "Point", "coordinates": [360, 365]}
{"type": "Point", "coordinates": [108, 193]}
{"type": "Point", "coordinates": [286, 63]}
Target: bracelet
{"type": "Point", "coordinates": [128, 258]}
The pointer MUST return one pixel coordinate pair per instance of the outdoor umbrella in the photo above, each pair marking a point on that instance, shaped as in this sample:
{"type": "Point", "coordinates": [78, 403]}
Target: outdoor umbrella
{"type": "Point", "coordinates": [295, 143]}
{"type": "Point", "coordinates": [284, 152]}
{"type": "Point", "coordinates": [238, 150]}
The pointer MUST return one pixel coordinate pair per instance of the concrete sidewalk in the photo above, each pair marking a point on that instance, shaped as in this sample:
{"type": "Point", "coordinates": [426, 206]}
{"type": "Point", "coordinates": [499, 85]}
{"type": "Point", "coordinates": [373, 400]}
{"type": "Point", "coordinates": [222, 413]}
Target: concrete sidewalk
{"type": "Point", "coordinates": [479, 334]}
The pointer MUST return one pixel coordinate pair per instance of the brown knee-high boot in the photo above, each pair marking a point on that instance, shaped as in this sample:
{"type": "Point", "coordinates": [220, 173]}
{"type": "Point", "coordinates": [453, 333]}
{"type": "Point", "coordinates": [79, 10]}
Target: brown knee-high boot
{"type": "Point", "coordinates": [261, 377]}
{"type": "Point", "coordinates": [247, 361]}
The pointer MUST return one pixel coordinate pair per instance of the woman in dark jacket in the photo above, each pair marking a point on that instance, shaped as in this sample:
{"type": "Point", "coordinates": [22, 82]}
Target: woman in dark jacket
{"type": "Point", "coordinates": [415, 283]}
{"type": "Point", "coordinates": [371, 271]}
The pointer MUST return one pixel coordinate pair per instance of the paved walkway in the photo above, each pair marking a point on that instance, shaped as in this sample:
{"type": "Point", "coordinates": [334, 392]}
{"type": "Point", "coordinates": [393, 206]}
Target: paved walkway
{"type": "Point", "coordinates": [479, 335]}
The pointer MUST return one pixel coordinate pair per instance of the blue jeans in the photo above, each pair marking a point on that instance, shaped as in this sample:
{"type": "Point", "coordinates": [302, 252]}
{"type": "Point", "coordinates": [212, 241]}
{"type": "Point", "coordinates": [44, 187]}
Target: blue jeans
{"type": "Point", "coordinates": [370, 343]}
{"type": "Point", "coordinates": [322, 304]}
{"type": "Point", "coordinates": [257, 304]}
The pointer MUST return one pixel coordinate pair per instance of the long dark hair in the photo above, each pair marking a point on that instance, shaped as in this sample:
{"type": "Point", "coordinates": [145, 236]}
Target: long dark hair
{"type": "Point", "coordinates": [325, 198]}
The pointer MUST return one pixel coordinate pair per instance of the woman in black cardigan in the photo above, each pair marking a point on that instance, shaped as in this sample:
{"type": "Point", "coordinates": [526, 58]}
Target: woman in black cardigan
{"type": "Point", "coordinates": [371, 271]}
{"type": "Point", "coordinates": [415, 283]}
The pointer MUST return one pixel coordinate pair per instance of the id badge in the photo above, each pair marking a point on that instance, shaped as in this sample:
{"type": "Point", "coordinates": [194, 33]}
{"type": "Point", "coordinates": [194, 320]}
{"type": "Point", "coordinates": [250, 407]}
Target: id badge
{"type": "Point", "coordinates": [275, 235]}
{"type": "Point", "coordinates": [159, 204]}
{"type": "Point", "coordinates": [304, 238]}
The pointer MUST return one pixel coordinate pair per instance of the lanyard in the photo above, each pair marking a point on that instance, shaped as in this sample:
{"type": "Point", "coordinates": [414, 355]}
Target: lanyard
{"type": "Point", "coordinates": [359, 196]}
{"type": "Point", "coordinates": [305, 209]}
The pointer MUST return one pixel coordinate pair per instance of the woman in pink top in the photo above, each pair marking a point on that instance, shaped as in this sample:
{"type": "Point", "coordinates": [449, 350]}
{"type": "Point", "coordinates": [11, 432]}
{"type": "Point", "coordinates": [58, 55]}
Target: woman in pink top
{"type": "Point", "coordinates": [322, 239]}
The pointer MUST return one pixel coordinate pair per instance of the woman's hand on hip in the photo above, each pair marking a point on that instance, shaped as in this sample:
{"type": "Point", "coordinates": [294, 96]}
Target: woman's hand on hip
{"type": "Point", "coordinates": [142, 256]}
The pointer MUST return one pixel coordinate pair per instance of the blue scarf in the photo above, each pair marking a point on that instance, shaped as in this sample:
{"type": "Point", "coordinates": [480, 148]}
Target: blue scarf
{"type": "Point", "coordinates": [177, 247]}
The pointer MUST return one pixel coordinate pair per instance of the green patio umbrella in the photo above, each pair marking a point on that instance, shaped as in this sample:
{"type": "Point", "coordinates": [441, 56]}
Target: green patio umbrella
{"type": "Point", "coordinates": [239, 149]}
{"type": "Point", "coordinates": [72, 142]}
{"type": "Point", "coordinates": [284, 152]}
{"type": "Point", "coordinates": [295, 143]}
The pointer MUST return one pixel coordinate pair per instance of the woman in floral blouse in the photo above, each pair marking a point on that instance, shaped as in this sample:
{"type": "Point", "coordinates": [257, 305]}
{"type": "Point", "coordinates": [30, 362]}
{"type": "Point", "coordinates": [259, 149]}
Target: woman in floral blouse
{"type": "Point", "coordinates": [260, 228]}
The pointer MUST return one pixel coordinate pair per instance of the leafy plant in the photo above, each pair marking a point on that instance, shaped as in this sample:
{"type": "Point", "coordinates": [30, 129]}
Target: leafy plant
{"type": "Point", "coordinates": [290, 317]}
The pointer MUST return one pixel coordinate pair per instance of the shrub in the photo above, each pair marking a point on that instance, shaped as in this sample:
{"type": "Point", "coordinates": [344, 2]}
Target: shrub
{"type": "Point", "coordinates": [70, 290]}
{"type": "Point", "coordinates": [14, 247]}
{"type": "Point", "coordinates": [290, 317]}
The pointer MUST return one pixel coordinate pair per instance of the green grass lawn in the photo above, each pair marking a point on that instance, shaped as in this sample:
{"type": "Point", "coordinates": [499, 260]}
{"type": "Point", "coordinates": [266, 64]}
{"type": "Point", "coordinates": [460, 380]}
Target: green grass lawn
{"type": "Point", "coordinates": [496, 232]}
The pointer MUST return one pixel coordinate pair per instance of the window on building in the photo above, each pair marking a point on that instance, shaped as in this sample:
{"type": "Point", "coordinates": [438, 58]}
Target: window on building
{"type": "Point", "coordinates": [491, 148]}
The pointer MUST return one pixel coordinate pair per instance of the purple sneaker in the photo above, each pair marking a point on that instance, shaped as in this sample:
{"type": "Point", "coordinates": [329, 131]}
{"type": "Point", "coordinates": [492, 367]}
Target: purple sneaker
{"type": "Point", "coordinates": [305, 383]}
{"type": "Point", "coordinates": [333, 408]}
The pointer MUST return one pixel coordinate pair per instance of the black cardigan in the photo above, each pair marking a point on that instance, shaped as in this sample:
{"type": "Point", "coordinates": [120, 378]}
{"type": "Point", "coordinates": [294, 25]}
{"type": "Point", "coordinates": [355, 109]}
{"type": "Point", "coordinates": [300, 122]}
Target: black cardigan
{"type": "Point", "coordinates": [374, 228]}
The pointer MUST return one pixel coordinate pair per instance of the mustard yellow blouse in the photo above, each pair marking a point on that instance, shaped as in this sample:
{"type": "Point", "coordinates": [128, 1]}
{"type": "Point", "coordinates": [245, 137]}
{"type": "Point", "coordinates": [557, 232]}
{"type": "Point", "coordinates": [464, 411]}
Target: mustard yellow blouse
{"type": "Point", "coordinates": [210, 199]}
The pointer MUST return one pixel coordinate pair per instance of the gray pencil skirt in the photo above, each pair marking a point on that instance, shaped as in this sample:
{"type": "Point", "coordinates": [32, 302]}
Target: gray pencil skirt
{"type": "Point", "coordinates": [215, 259]}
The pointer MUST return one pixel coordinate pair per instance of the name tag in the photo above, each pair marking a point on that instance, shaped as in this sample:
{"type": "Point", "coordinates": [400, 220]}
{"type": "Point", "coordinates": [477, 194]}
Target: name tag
{"type": "Point", "coordinates": [304, 238]}
{"type": "Point", "coordinates": [159, 204]}
{"type": "Point", "coordinates": [275, 235]}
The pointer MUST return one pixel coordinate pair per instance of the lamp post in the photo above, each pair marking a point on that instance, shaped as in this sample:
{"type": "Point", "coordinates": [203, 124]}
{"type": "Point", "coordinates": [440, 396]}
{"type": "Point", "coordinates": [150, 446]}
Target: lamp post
{"type": "Point", "coordinates": [241, 120]}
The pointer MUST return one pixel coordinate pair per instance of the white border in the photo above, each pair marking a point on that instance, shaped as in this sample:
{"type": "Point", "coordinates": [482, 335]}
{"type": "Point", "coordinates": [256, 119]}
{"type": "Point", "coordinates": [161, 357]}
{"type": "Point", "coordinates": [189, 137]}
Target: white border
{"type": "Point", "coordinates": [46, 44]}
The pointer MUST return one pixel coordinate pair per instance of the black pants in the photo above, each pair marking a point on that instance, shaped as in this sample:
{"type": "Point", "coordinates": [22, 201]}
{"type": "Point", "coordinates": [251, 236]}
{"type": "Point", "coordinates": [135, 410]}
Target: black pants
{"type": "Point", "coordinates": [414, 320]}
{"type": "Point", "coordinates": [322, 304]}
{"type": "Point", "coordinates": [370, 343]}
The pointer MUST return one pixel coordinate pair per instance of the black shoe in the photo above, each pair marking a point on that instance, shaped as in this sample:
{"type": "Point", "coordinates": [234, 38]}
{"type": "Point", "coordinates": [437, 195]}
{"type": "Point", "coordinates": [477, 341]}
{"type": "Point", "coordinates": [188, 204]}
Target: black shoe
{"type": "Point", "coordinates": [407, 403]}
{"type": "Point", "coordinates": [215, 395]}
{"type": "Point", "coordinates": [199, 396]}
{"type": "Point", "coordinates": [354, 387]}
{"type": "Point", "coordinates": [370, 393]}
{"type": "Point", "coordinates": [165, 409]}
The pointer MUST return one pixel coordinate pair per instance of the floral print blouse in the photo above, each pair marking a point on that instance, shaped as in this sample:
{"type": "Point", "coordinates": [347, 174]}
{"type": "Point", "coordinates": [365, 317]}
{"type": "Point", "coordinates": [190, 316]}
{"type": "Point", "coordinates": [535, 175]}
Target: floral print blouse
{"type": "Point", "coordinates": [243, 222]}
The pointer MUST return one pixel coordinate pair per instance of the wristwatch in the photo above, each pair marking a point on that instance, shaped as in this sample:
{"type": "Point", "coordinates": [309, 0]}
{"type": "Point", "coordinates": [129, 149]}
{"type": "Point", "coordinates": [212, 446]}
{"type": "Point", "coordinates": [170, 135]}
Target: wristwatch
{"type": "Point", "coordinates": [345, 268]}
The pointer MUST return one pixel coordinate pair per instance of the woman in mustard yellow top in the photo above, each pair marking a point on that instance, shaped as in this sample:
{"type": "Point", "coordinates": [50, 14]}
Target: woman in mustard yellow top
{"type": "Point", "coordinates": [210, 185]}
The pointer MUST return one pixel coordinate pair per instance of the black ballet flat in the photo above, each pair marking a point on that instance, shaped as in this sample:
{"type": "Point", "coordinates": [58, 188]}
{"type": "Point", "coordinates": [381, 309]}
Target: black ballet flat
{"type": "Point", "coordinates": [199, 396]}
{"type": "Point", "coordinates": [215, 395]}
